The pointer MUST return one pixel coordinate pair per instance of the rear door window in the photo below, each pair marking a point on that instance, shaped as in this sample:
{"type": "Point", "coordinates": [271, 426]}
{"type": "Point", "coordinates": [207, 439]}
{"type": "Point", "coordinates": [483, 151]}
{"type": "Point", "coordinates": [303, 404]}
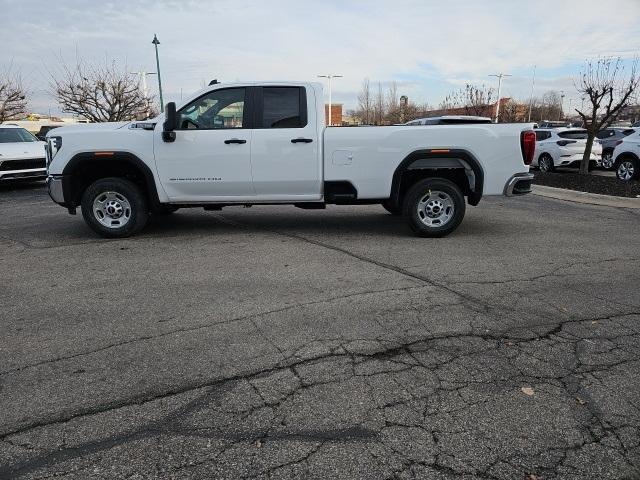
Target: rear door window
{"type": "Point", "coordinates": [574, 135]}
{"type": "Point", "coordinates": [284, 107]}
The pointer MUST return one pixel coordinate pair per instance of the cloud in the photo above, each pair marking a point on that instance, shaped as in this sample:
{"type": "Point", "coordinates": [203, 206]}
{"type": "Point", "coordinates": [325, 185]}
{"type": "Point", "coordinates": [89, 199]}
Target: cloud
{"type": "Point", "coordinates": [431, 46]}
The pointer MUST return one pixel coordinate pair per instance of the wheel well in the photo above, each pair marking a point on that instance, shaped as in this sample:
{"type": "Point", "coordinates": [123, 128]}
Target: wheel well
{"type": "Point", "coordinates": [456, 175]}
{"type": "Point", "coordinates": [626, 155]}
{"type": "Point", "coordinates": [85, 168]}
{"type": "Point", "coordinates": [458, 166]}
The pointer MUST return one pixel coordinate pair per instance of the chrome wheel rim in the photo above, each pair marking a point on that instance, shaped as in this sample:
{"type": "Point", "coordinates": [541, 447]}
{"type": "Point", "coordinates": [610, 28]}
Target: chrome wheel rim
{"type": "Point", "coordinates": [112, 209]}
{"type": "Point", "coordinates": [607, 160]}
{"type": "Point", "coordinates": [544, 164]}
{"type": "Point", "coordinates": [626, 170]}
{"type": "Point", "coordinates": [436, 208]}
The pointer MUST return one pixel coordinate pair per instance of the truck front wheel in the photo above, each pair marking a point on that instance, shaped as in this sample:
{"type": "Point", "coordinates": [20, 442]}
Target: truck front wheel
{"type": "Point", "coordinates": [392, 209]}
{"type": "Point", "coordinates": [434, 207]}
{"type": "Point", "coordinates": [114, 207]}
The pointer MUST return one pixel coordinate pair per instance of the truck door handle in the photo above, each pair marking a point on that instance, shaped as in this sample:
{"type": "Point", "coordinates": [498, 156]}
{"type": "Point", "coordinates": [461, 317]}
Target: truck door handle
{"type": "Point", "coordinates": [234, 140]}
{"type": "Point", "coordinates": [301, 140]}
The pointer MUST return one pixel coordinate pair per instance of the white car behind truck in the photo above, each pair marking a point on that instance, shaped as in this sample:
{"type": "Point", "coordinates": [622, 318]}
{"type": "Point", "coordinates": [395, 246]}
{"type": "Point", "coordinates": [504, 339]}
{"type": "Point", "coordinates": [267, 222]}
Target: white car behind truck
{"type": "Point", "coordinates": [266, 143]}
{"type": "Point", "coordinates": [22, 156]}
{"type": "Point", "coordinates": [563, 147]}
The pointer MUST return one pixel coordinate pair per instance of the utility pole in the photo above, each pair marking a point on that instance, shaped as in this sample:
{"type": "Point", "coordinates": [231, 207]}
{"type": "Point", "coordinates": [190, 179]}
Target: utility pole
{"type": "Point", "coordinates": [329, 77]}
{"type": "Point", "coordinates": [156, 42]}
{"type": "Point", "coordinates": [533, 83]}
{"type": "Point", "coordinates": [561, 104]}
{"type": "Point", "coordinates": [499, 75]}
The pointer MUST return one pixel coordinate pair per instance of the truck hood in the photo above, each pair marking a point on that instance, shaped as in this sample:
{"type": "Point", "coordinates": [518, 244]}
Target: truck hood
{"type": "Point", "coordinates": [86, 127]}
{"type": "Point", "coordinates": [13, 151]}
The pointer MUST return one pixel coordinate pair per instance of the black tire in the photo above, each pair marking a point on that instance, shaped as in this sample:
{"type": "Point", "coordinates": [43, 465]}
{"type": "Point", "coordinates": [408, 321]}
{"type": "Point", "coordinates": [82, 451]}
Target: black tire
{"type": "Point", "coordinates": [630, 164]}
{"type": "Point", "coordinates": [391, 209]}
{"type": "Point", "coordinates": [418, 218]}
{"type": "Point", "coordinates": [133, 217]}
{"type": "Point", "coordinates": [545, 163]}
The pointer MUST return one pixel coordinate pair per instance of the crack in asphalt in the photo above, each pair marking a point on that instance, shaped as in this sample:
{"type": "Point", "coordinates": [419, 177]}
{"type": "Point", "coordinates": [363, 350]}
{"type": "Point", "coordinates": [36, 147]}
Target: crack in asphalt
{"type": "Point", "coordinates": [170, 424]}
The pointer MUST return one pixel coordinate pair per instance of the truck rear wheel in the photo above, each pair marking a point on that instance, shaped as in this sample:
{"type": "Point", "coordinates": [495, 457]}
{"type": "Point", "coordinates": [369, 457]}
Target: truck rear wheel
{"type": "Point", "coordinates": [114, 207]}
{"type": "Point", "coordinates": [434, 207]}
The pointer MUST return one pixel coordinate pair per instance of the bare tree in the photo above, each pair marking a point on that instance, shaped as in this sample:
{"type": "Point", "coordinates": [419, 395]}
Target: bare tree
{"type": "Point", "coordinates": [13, 97]}
{"type": "Point", "coordinates": [100, 93]}
{"type": "Point", "coordinates": [379, 106]}
{"type": "Point", "coordinates": [472, 99]}
{"type": "Point", "coordinates": [548, 107]}
{"type": "Point", "coordinates": [509, 112]}
{"type": "Point", "coordinates": [365, 103]}
{"type": "Point", "coordinates": [383, 107]}
{"type": "Point", "coordinates": [608, 90]}
{"type": "Point", "coordinates": [393, 112]}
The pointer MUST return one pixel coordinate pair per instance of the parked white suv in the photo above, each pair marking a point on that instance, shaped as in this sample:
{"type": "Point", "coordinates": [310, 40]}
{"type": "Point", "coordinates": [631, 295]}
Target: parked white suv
{"type": "Point", "coordinates": [563, 147]}
{"type": "Point", "coordinates": [22, 155]}
{"type": "Point", "coordinates": [626, 157]}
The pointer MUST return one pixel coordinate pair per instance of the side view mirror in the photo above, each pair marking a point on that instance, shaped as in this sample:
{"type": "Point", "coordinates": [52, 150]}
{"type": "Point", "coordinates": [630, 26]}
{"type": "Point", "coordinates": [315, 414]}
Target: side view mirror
{"type": "Point", "coordinates": [170, 122]}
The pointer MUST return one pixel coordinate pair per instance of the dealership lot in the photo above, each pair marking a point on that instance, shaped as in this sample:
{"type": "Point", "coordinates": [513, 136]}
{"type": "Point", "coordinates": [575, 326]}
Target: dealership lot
{"type": "Point", "coordinates": [273, 342]}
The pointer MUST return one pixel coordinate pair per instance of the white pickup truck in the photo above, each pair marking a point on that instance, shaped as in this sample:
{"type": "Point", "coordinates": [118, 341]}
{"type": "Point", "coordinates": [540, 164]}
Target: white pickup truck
{"type": "Point", "coordinates": [266, 143]}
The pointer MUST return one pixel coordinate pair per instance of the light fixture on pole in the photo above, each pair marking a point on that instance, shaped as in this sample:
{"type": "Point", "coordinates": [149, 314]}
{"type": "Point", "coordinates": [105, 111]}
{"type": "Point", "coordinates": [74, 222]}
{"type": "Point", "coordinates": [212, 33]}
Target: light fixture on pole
{"type": "Point", "coordinates": [156, 42]}
{"type": "Point", "coordinates": [143, 80]}
{"type": "Point", "coordinates": [499, 75]}
{"type": "Point", "coordinates": [329, 77]}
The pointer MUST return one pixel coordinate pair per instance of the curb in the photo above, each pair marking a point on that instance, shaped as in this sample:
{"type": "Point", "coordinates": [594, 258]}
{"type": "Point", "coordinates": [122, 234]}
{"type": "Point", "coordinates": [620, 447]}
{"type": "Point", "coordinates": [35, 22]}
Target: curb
{"type": "Point", "coordinates": [584, 197]}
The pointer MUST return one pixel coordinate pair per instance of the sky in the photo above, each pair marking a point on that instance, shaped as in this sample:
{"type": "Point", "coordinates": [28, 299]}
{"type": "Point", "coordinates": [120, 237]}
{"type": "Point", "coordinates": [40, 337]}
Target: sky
{"type": "Point", "coordinates": [428, 47]}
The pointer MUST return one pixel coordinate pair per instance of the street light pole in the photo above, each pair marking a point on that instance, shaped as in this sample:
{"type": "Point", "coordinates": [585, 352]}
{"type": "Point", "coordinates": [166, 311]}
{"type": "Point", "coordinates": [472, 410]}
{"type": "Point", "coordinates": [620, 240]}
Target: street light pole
{"type": "Point", "coordinates": [156, 42]}
{"type": "Point", "coordinates": [329, 77]}
{"type": "Point", "coordinates": [499, 75]}
{"type": "Point", "coordinates": [561, 104]}
{"type": "Point", "coordinates": [533, 83]}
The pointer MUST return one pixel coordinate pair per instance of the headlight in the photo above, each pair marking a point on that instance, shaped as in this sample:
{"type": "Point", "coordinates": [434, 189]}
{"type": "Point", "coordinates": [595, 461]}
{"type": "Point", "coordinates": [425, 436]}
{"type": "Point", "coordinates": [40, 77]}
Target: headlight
{"type": "Point", "coordinates": [53, 146]}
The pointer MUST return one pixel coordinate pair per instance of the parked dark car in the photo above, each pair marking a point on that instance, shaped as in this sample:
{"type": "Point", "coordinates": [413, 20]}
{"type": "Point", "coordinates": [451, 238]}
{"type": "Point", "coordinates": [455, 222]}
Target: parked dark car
{"type": "Point", "coordinates": [609, 138]}
{"type": "Point", "coordinates": [42, 133]}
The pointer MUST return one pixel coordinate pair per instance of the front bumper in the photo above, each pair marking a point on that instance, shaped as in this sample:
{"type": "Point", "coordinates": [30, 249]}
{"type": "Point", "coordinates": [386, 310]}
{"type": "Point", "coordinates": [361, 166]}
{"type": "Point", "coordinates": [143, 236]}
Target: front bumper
{"type": "Point", "coordinates": [575, 160]}
{"type": "Point", "coordinates": [24, 174]}
{"type": "Point", "coordinates": [56, 192]}
{"type": "Point", "coordinates": [518, 184]}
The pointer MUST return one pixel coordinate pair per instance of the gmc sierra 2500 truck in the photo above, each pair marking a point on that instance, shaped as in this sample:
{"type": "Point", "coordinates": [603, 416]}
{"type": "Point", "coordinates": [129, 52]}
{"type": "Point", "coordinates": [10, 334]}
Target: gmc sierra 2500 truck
{"type": "Point", "coordinates": [266, 143]}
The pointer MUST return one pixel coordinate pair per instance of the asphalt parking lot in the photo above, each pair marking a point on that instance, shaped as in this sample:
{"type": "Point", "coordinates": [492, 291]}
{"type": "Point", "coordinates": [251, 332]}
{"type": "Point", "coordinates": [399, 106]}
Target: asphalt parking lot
{"type": "Point", "coordinates": [273, 342]}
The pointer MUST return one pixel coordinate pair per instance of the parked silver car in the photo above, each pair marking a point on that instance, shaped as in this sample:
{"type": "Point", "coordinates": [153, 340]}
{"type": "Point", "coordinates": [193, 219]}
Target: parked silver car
{"type": "Point", "coordinates": [609, 138]}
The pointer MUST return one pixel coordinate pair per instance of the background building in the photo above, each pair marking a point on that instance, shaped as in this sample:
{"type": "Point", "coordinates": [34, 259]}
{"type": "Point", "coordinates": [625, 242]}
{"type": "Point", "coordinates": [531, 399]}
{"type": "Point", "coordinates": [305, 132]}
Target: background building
{"type": "Point", "coordinates": [336, 114]}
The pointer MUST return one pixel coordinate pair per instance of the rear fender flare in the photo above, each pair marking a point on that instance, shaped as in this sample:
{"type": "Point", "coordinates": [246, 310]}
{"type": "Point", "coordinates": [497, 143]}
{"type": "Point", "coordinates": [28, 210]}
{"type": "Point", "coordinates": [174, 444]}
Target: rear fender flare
{"type": "Point", "coordinates": [428, 160]}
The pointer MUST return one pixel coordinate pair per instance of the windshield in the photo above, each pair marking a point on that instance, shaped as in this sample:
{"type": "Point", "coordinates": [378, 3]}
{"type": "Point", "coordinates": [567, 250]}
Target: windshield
{"type": "Point", "coordinates": [574, 134]}
{"type": "Point", "coordinates": [16, 135]}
